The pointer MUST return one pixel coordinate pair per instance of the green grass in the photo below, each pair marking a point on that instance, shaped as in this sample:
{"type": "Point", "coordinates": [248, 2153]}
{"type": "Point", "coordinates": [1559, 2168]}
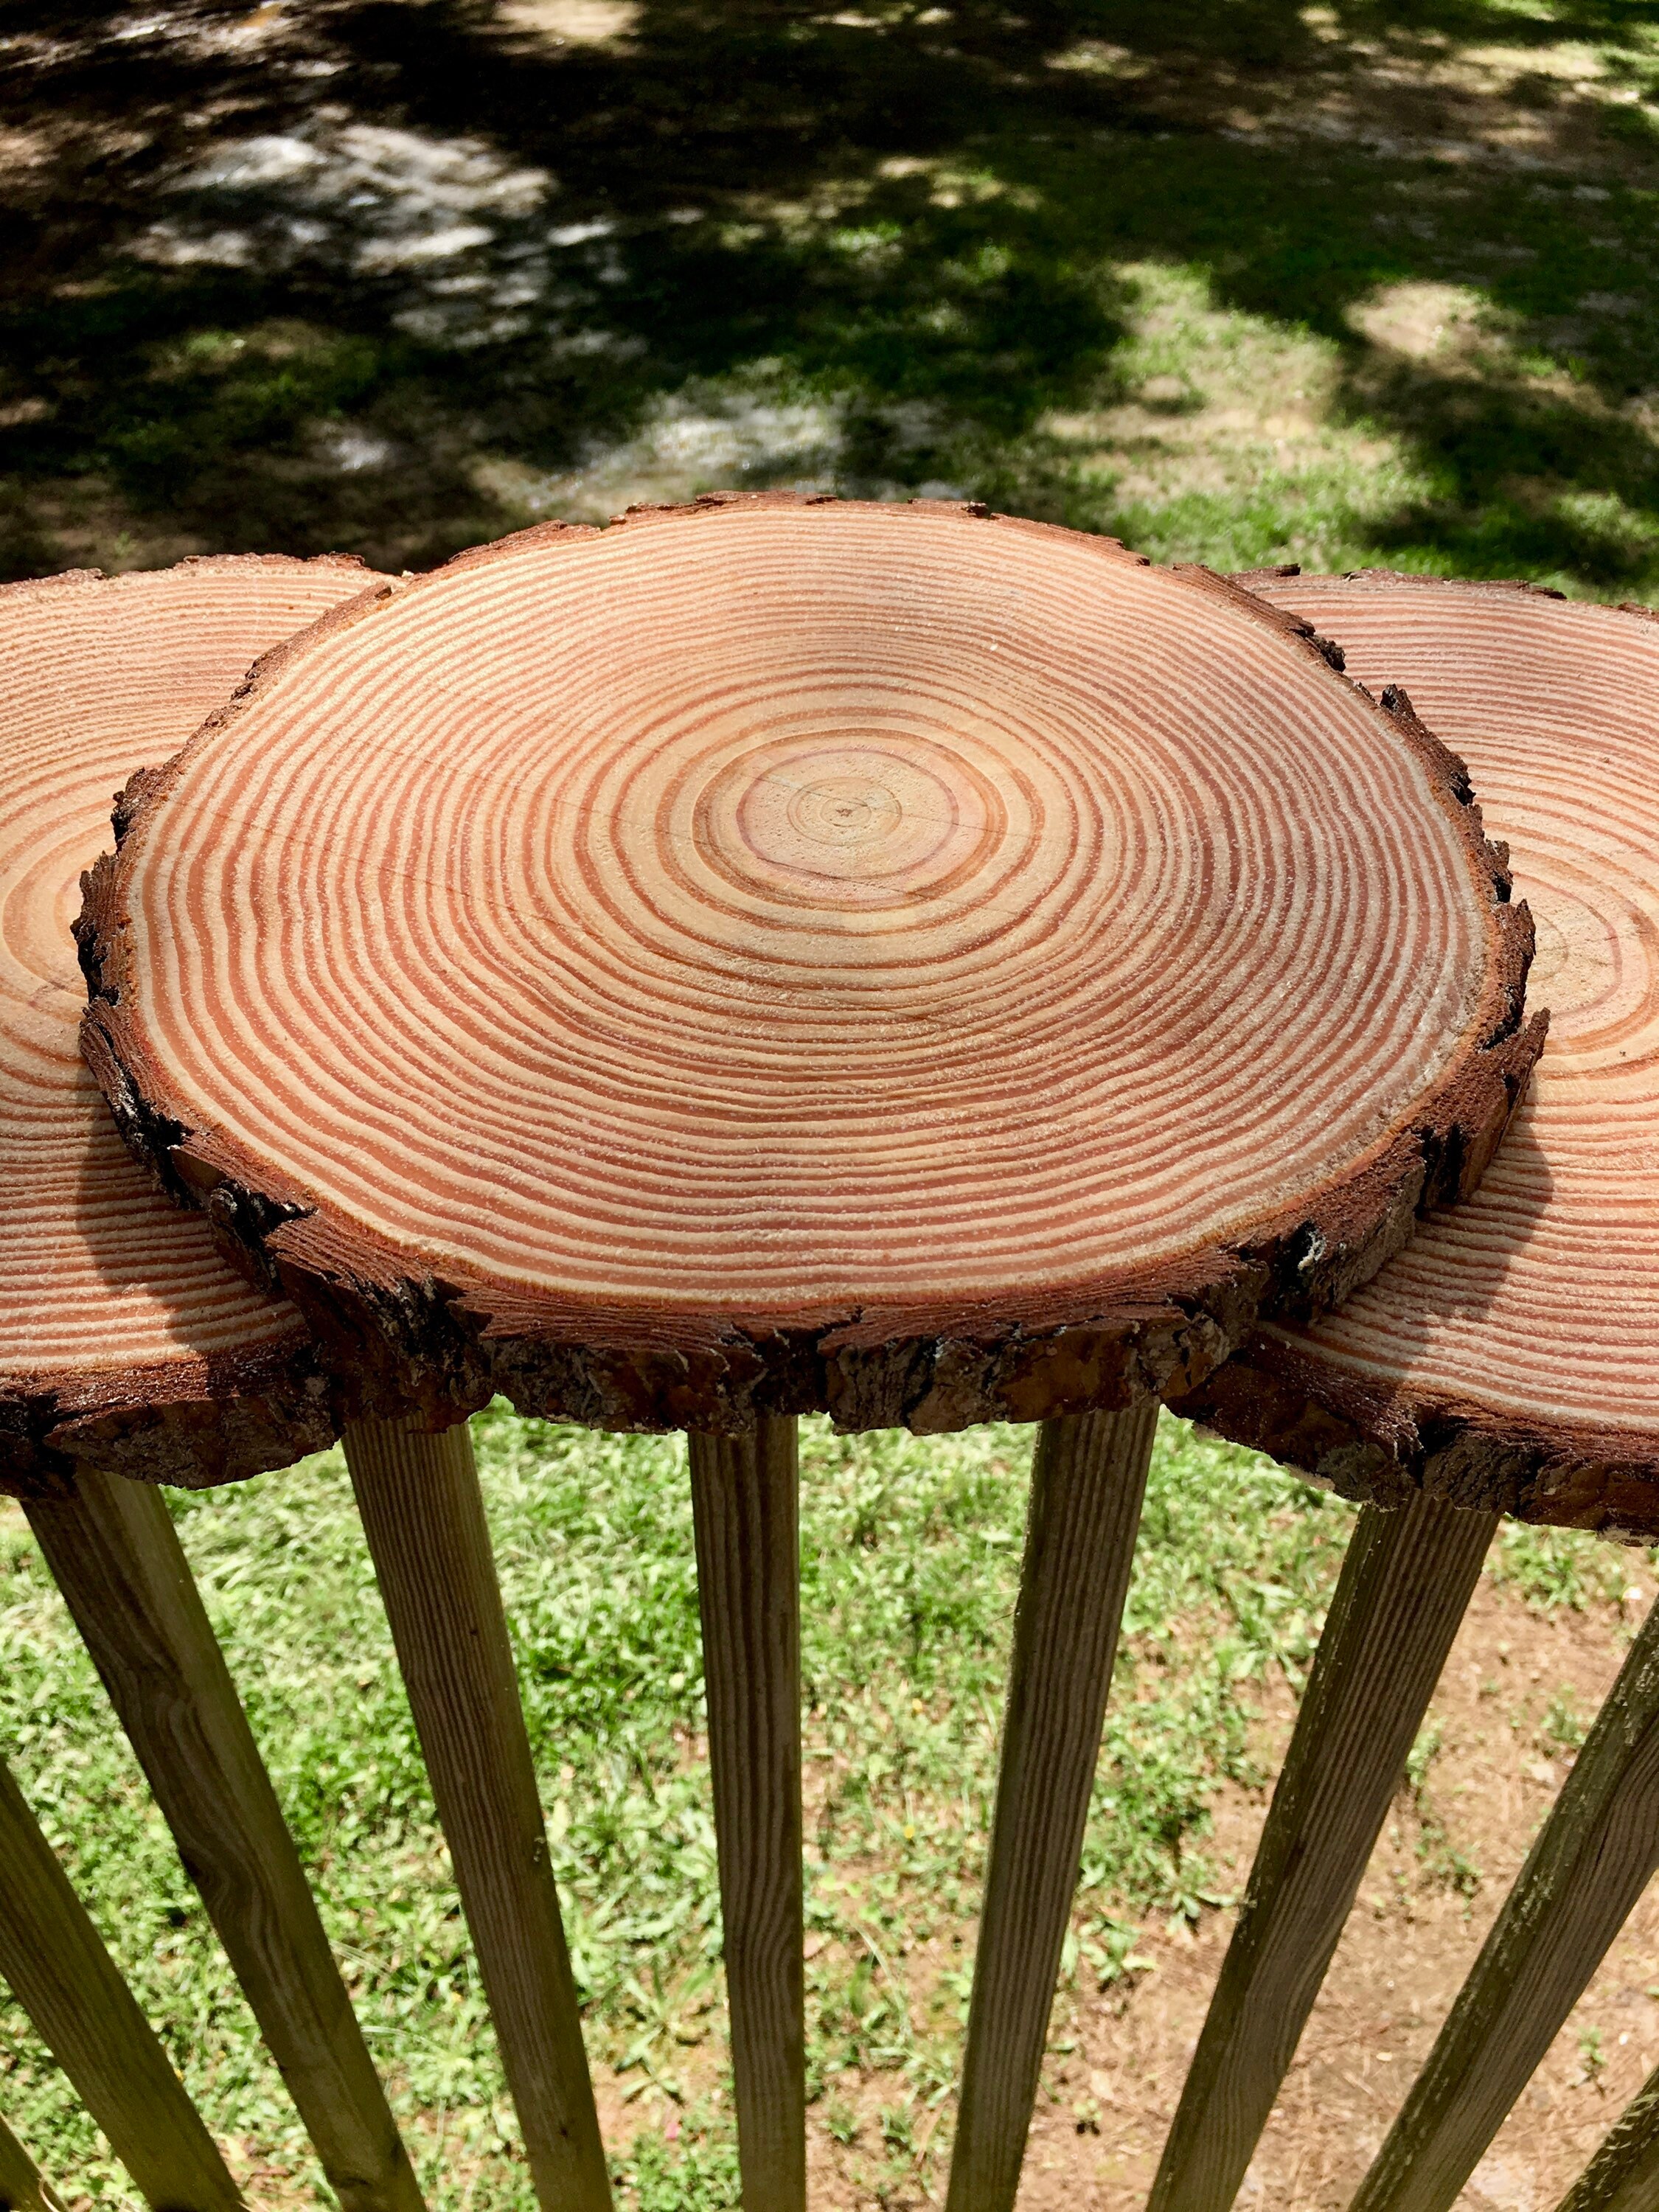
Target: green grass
{"type": "Point", "coordinates": [910, 1554]}
{"type": "Point", "coordinates": [1241, 281]}
{"type": "Point", "coordinates": [1549, 1567]}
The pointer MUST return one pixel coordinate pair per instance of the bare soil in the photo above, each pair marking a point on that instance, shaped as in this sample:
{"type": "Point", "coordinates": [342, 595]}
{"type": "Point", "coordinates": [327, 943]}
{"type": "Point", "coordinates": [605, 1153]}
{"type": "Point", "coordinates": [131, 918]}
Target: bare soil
{"type": "Point", "coordinates": [1434, 1883]}
{"type": "Point", "coordinates": [1406, 1948]}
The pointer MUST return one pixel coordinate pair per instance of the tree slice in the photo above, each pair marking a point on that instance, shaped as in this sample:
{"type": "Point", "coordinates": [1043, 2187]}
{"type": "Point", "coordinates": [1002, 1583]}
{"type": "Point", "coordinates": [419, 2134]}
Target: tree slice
{"type": "Point", "coordinates": [123, 1336]}
{"type": "Point", "coordinates": [780, 954]}
{"type": "Point", "coordinates": [1511, 1358]}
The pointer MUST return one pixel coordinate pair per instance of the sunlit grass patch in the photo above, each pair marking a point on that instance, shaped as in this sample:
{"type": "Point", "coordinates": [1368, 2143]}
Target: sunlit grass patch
{"type": "Point", "coordinates": [1570, 1567]}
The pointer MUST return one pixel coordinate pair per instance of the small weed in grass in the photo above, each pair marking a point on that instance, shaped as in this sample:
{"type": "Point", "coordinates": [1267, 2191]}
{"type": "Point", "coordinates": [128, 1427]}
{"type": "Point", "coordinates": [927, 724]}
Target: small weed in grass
{"type": "Point", "coordinates": [1564, 1726]}
{"type": "Point", "coordinates": [1571, 1567]}
{"type": "Point", "coordinates": [661, 2178]}
{"type": "Point", "coordinates": [843, 2122]}
{"type": "Point", "coordinates": [1422, 1756]}
{"type": "Point", "coordinates": [1439, 1857]}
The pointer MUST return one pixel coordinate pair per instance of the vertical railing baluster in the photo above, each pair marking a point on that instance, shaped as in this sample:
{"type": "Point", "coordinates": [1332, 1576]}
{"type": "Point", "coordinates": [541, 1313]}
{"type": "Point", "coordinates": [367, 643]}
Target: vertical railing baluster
{"type": "Point", "coordinates": [1088, 1479]}
{"type": "Point", "coordinates": [22, 2189]}
{"type": "Point", "coordinates": [744, 1494]}
{"type": "Point", "coordinates": [59, 1972]}
{"type": "Point", "coordinates": [423, 1514]}
{"type": "Point", "coordinates": [1591, 1862]}
{"type": "Point", "coordinates": [1405, 1586]}
{"type": "Point", "coordinates": [115, 1553]}
{"type": "Point", "coordinates": [1624, 2174]}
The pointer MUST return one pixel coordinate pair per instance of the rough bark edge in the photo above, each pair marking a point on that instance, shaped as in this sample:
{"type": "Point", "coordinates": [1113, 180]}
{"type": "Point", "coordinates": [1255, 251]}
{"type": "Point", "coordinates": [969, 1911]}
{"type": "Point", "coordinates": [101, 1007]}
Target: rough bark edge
{"type": "Point", "coordinates": [197, 1420]}
{"type": "Point", "coordinates": [130, 579]}
{"type": "Point", "coordinates": [192, 1422]}
{"type": "Point", "coordinates": [444, 1345]}
{"type": "Point", "coordinates": [1384, 1442]}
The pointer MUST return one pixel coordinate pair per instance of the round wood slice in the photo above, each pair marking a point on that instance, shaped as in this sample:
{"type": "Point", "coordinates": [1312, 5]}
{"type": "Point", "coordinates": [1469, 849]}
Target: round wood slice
{"type": "Point", "coordinates": [779, 954]}
{"type": "Point", "coordinates": [123, 1336]}
{"type": "Point", "coordinates": [1511, 1358]}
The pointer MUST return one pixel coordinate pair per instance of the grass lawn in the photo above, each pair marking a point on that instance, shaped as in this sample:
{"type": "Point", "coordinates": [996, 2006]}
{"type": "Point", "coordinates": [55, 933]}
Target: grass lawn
{"type": "Point", "coordinates": [1242, 282]}
{"type": "Point", "coordinates": [910, 1557]}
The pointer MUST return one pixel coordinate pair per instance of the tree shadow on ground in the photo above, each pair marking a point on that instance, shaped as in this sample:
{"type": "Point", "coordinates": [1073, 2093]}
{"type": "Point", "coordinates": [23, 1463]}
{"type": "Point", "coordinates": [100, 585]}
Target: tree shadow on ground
{"type": "Point", "coordinates": [394, 277]}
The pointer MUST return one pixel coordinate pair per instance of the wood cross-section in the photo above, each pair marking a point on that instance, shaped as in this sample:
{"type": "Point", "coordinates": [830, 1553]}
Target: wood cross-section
{"type": "Point", "coordinates": [123, 1337]}
{"type": "Point", "coordinates": [781, 954]}
{"type": "Point", "coordinates": [1509, 1359]}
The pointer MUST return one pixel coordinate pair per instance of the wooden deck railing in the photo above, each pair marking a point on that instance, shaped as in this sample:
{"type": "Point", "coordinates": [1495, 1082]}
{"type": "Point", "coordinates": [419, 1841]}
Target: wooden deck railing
{"type": "Point", "coordinates": [1404, 1587]}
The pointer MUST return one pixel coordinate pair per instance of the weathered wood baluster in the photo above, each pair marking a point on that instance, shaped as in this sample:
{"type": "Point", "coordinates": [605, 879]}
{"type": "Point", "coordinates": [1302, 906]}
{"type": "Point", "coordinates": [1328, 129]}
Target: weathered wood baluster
{"type": "Point", "coordinates": [744, 1493]}
{"type": "Point", "coordinates": [423, 1514]}
{"type": "Point", "coordinates": [55, 1961]}
{"type": "Point", "coordinates": [1405, 1586]}
{"type": "Point", "coordinates": [1088, 1479]}
{"type": "Point", "coordinates": [22, 2189]}
{"type": "Point", "coordinates": [1624, 2174]}
{"type": "Point", "coordinates": [1591, 1862]}
{"type": "Point", "coordinates": [113, 1547]}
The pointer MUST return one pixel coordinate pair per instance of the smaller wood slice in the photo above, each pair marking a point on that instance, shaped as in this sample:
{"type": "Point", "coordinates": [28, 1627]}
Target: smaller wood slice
{"type": "Point", "coordinates": [784, 954]}
{"type": "Point", "coordinates": [1509, 1359]}
{"type": "Point", "coordinates": [125, 1337]}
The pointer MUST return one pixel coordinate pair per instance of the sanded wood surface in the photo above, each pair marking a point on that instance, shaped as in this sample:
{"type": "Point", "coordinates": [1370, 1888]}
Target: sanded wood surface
{"type": "Point", "coordinates": [1405, 1585]}
{"type": "Point", "coordinates": [745, 1498]}
{"type": "Point", "coordinates": [723, 881]}
{"type": "Point", "coordinates": [122, 1333]}
{"type": "Point", "coordinates": [423, 1514]}
{"type": "Point", "coordinates": [1590, 1864]}
{"type": "Point", "coordinates": [1510, 1357]}
{"type": "Point", "coordinates": [113, 1547]}
{"type": "Point", "coordinates": [1088, 1479]}
{"type": "Point", "coordinates": [59, 1972]}
{"type": "Point", "coordinates": [1624, 2174]}
{"type": "Point", "coordinates": [22, 2189]}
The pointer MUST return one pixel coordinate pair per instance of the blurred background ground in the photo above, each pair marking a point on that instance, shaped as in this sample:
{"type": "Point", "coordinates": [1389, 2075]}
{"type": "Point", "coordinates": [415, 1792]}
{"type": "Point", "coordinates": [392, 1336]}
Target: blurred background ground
{"type": "Point", "coordinates": [1238, 282]}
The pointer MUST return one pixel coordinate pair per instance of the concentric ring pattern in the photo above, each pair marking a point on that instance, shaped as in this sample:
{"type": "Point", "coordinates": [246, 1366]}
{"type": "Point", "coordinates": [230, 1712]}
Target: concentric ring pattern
{"type": "Point", "coordinates": [779, 908]}
{"type": "Point", "coordinates": [1537, 1303]}
{"type": "Point", "coordinates": [104, 1286]}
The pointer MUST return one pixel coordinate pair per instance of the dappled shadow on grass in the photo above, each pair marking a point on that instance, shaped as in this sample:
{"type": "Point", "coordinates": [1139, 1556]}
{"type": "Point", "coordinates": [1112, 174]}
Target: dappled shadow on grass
{"type": "Point", "coordinates": [395, 277]}
{"type": "Point", "coordinates": [1524, 483]}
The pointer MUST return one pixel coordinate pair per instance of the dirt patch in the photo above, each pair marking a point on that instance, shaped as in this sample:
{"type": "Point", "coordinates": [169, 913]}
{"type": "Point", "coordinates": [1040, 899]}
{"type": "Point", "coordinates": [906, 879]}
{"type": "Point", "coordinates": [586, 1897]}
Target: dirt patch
{"type": "Point", "coordinates": [1516, 1683]}
{"type": "Point", "coordinates": [1519, 1686]}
